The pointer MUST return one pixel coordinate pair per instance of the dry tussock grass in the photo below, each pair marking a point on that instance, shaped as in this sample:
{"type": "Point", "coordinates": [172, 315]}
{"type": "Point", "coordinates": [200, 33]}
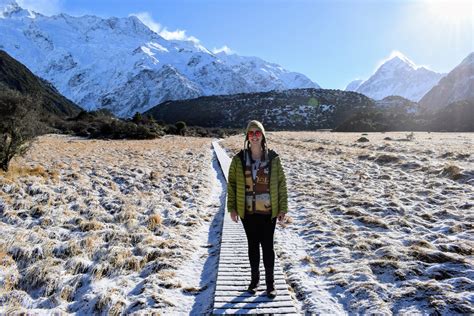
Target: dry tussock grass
{"type": "Point", "coordinates": [117, 308]}
{"type": "Point", "coordinates": [373, 221]}
{"type": "Point", "coordinates": [154, 220]}
{"type": "Point", "coordinates": [97, 210]}
{"type": "Point", "coordinates": [90, 243]}
{"type": "Point", "coordinates": [67, 293]}
{"type": "Point", "coordinates": [451, 171]}
{"type": "Point", "coordinates": [408, 192]}
{"type": "Point", "coordinates": [91, 225]}
{"type": "Point", "coordinates": [166, 275]}
{"type": "Point", "coordinates": [76, 265]}
{"type": "Point", "coordinates": [5, 259]}
{"type": "Point", "coordinates": [127, 213]}
{"type": "Point", "coordinates": [43, 275]}
{"type": "Point", "coordinates": [101, 270]}
{"type": "Point", "coordinates": [307, 259]}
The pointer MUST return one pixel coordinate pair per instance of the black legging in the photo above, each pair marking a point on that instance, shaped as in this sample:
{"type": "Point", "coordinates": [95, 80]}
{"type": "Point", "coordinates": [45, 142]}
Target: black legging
{"type": "Point", "coordinates": [259, 230]}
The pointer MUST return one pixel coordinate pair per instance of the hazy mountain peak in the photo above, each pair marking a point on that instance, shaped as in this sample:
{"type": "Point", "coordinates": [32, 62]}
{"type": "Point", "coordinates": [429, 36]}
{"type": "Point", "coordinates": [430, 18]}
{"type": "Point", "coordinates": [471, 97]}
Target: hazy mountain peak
{"type": "Point", "coordinates": [399, 60]}
{"type": "Point", "coordinates": [468, 60]}
{"type": "Point", "coordinates": [399, 76]}
{"type": "Point", "coordinates": [353, 85]}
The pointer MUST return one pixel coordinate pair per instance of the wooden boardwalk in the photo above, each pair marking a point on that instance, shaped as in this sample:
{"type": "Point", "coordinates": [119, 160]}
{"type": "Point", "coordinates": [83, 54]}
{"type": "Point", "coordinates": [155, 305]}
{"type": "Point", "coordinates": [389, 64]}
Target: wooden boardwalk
{"type": "Point", "coordinates": [233, 275]}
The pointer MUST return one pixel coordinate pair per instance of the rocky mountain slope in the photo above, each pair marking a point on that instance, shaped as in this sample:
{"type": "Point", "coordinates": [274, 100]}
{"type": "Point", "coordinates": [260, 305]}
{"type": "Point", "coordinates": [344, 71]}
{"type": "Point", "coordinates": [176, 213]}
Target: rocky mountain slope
{"type": "Point", "coordinates": [15, 76]}
{"type": "Point", "coordinates": [458, 85]}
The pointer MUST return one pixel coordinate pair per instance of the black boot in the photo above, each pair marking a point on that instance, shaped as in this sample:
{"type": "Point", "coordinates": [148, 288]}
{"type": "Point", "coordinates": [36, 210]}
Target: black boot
{"type": "Point", "coordinates": [270, 283]}
{"type": "Point", "coordinates": [254, 281]}
{"type": "Point", "coordinates": [271, 292]}
{"type": "Point", "coordinates": [252, 289]}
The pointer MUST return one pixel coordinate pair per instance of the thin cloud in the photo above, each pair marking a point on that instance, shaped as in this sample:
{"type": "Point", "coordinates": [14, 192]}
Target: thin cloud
{"type": "Point", "coordinates": [146, 18]}
{"type": "Point", "coordinates": [179, 35]}
{"type": "Point", "coordinates": [45, 7]}
{"type": "Point", "coordinates": [224, 49]}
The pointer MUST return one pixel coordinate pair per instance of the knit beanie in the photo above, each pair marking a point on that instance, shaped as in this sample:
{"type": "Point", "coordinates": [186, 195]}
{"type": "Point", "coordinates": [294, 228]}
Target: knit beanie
{"type": "Point", "coordinates": [257, 125]}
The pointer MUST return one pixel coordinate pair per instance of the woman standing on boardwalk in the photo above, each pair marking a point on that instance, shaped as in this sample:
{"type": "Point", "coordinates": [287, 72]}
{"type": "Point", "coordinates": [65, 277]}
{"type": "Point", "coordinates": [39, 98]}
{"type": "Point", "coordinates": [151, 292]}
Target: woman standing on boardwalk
{"type": "Point", "coordinates": [257, 193]}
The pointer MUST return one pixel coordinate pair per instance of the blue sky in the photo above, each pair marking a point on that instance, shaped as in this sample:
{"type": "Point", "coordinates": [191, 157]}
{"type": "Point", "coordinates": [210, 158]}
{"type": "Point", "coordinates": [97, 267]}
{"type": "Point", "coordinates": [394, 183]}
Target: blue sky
{"type": "Point", "coordinates": [332, 42]}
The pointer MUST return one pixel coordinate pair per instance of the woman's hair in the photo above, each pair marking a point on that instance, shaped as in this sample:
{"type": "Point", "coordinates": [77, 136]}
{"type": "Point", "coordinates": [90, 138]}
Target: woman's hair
{"type": "Point", "coordinates": [264, 145]}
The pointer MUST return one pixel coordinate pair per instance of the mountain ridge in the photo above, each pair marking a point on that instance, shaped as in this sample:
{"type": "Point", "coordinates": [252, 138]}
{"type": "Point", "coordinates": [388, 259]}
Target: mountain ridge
{"type": "Point", "coordinates": [91, 60]}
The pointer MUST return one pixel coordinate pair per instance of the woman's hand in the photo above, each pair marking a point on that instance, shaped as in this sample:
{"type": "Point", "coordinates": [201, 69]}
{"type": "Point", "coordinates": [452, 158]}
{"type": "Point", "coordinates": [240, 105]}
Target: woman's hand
{"type": "Point", "coordinates": [281, 216]}
{"type": "Point", "coordinates": [234, 216]}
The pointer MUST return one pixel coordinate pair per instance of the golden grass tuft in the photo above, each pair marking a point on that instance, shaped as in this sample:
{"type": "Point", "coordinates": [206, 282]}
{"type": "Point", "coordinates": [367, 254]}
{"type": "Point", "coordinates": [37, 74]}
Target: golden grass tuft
{"type": "Point", "coordinates": [91, 225]}
{"type": "Point", "coordinates": [76, 266]}
{"type": "Point", "coordinates": [307, 259]}
{"type": "Point", "coordinates": [67, 293]}
{"type": "Point", "coordinates": [5, 259]}
{"type": "Point", "coordinates": [103, 302]}
{"type": "Point", "coordinates": [432, 256]}
{"type": "Point", "coordinates": [373, 221]}
{"type": "Point", "coordinates": [89, 243]}
{"type": "Point", "coordinates": [330, 270]}
{"type": "Point", "coordinates": [117, 308]}
{"type": "Point", "coordinates": [134, 264]}
{"type": "Point", "coordinates": [452, 172]}
{"type": "Point", "coordinates": [100, 270]}
{"type": "Point", "coordinates": [178, 204]}
{"type": "Point", "coordinates": [192, 290]}
{"type": "Point", "coordinates": [155, 176]}
{"type": "Point", "coordinates": [123, 259]}
{"type": "Point", "coordinates": [17, 171]}
{"type": "Point", "coordinates": [166, 275]}
{"type": "Point", "coordinates": [315, 271]}
{"type": "Point", "coordinates": [154, 220]}
{"type": "Point", "coordinates": [126, 213]}
{"type": "Point", "coordinates": [385, 159]}
{"type": "Point", "coordinates": [43, 275]}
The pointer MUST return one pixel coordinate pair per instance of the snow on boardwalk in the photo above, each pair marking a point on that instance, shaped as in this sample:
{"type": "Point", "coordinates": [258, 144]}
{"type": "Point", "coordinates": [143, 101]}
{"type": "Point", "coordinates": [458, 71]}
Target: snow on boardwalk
{"type": "Point", "coordinates": [233, 275]}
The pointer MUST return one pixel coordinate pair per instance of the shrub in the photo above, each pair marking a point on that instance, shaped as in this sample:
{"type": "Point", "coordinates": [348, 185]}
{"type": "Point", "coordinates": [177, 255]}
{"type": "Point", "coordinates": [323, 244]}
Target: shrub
{"type": "Point", "coordinates": [137, 118]}
{"type": "Point", "coordinates": [180, 127]}
{"type": "Point", "coordinates": [18, 125]}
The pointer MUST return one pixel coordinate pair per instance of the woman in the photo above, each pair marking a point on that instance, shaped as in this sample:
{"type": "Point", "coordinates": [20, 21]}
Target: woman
{"type": "Point", "coordinates": [256, 193]}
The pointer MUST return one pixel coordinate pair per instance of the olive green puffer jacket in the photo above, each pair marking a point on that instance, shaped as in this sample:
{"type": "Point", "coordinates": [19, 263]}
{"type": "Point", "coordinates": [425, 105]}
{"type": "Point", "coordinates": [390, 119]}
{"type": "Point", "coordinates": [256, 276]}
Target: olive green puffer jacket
{"type": "Point", "coordinates": [236, 185]}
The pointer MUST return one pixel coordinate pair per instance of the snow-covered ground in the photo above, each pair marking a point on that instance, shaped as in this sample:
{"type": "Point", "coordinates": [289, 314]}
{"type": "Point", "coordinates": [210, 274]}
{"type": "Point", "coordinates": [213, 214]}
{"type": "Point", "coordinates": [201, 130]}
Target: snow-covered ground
{"type": "Point", "coordinates": [384, 226]}
{"type": "Point", "coordinates": [92, 226]}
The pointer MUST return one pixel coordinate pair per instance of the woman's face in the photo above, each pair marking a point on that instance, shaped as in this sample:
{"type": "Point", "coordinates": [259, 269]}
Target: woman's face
{"type": "Point", "coordinates": [255, 136]}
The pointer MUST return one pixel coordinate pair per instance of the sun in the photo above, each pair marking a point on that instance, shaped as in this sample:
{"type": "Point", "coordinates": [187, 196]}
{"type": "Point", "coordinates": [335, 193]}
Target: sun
{"type": "Point", "coordinates": [451, 12]}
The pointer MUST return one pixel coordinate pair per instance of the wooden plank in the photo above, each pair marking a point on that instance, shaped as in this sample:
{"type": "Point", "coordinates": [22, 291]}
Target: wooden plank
{"type": "Point", "coordinates": [281, 310]}
{"type": "Point", "coordinates": [224, 160]}
{"type": "Point", "coordinates": [245, 277]}
{"type": "Point", "coordinates": [243, 287]}
{"type": "Point", "coordinates": [260, 292]}
{"type": "Point", "coordinates": [240, 282]}
{"type": "Point", "coordinates": [251, 299]}
{"type": "Point", "coordinates": [267, 304]}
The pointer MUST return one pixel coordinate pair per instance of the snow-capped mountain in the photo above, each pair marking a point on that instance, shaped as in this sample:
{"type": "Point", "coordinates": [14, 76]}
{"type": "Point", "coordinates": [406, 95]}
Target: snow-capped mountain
{"type": "Point", "coordinates": [353, 85]}
{"type": "Point", "coordinates": [399, 76]}
{"type": "Point", "coordinates": [122, 65]}
{"type": "Point", "coordinates": [456, 86]}
{"type": "Point", "coordinates": [269, 76]}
